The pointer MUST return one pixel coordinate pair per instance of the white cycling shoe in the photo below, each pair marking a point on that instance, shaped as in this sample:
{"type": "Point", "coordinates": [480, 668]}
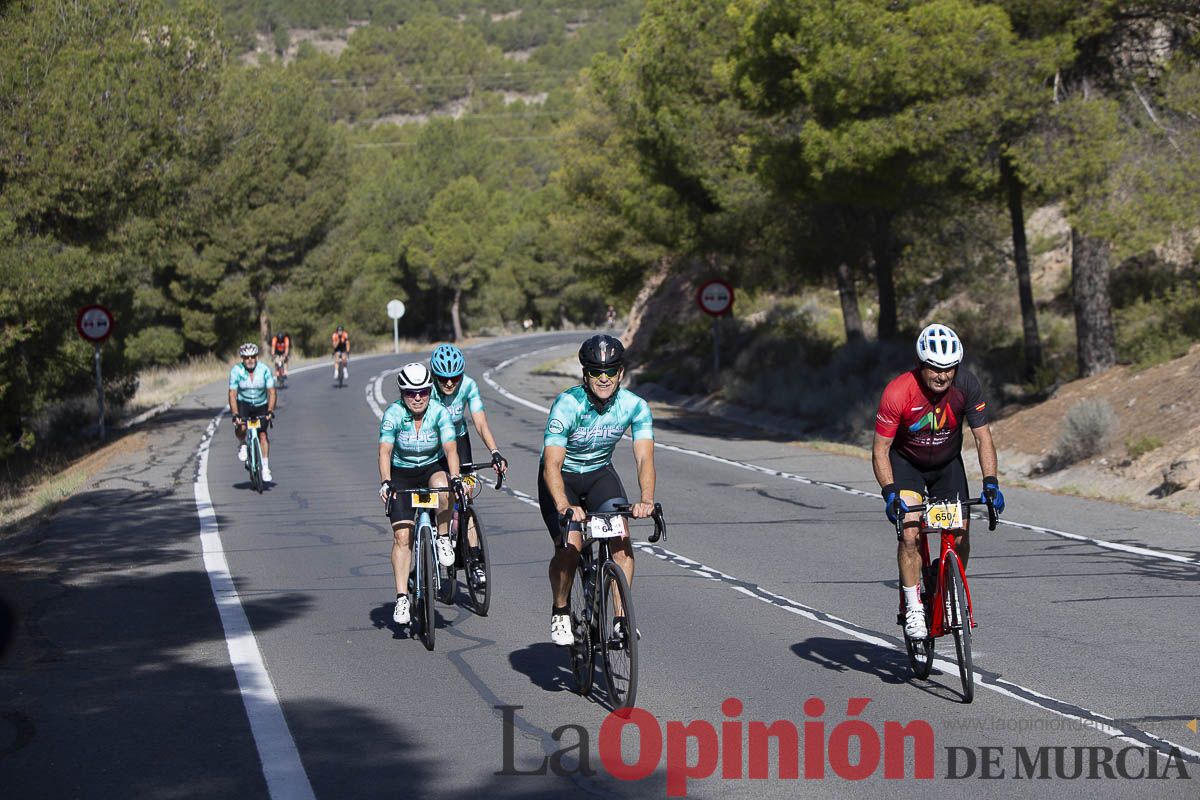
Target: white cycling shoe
{"type": "Point", "coordinates": [914, 623]}
{"type": "Point", "coordinates": [445, 550]}
{"type": "Point", "coordinates": [400, 614]}
{"type": "Point", "coordinates": [242, 454]}
{"type": "Point", "coordinates": [560, 630]}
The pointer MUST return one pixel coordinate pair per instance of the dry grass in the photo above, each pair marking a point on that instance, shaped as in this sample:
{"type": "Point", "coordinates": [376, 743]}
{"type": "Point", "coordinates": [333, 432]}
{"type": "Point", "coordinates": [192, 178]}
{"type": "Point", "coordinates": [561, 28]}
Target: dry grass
{"type": "Point", "coordinates": [160, 385]}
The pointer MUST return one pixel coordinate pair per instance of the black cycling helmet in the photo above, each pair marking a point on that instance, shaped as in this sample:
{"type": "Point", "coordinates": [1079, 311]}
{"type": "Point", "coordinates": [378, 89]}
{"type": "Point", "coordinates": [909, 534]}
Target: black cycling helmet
{"type": "Point", "coordinates": [602, 351]}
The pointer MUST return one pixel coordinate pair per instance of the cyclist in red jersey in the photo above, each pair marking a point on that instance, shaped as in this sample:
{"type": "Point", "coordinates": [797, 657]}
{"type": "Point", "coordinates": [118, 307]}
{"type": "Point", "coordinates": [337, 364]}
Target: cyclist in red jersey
{"type": "Point", "coordinates": [917, 452]}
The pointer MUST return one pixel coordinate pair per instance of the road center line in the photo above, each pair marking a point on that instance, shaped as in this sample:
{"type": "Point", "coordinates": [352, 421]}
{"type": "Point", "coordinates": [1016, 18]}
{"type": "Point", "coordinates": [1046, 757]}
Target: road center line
{"type": "Point", "coordinates": [281, 765]}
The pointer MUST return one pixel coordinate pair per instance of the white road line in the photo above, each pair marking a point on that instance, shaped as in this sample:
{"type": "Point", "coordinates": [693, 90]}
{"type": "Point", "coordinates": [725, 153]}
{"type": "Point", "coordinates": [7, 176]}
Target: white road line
{"type": "Point", "coordinates": [281, 765]}
{"type": "Point", "coordinates": [1102, 723]}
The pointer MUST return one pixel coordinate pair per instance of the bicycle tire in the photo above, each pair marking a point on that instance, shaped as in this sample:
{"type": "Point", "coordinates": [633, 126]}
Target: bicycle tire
{"type": "Point", "coordinates": [582, 655]}
{"type": "Point", "coordinates": [481, 596]}
{"type": "Point", "coordinates": [959, 619]}
{"type": "Point", "coordinates": [620, 655]}
{"type": "Point", "coordinates": [254, 462]}
{"type": "Point", "coordinates": [428, 565]}
{"type": "Point", "coordinates": [920, 651]}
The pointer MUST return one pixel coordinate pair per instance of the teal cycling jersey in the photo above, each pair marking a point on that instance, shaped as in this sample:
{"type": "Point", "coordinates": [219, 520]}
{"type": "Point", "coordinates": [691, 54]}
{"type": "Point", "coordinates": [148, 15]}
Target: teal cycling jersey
{"type": "Point", "coordinates": [465, 398]}
{"type": "Point", "coordinates": [589, 435]}
{"type": "Point", "coordinates": [410, 447]}
{"type": "Point", "coordinates": [251, 387]}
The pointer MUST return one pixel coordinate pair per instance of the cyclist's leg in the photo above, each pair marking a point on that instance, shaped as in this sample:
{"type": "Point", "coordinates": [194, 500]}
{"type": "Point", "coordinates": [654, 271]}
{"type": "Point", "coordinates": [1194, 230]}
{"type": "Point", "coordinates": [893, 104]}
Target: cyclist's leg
{"type": "Point", "coordinates": [439, 479]}
{"type": "Point", "coordinates": [243, 411]}
{"type": "Point", "coordinates": [566, 547]}
{"type": "Point", "coordinates": [402, 524]}
{"type": "Point", "coordinates": [911, 483]}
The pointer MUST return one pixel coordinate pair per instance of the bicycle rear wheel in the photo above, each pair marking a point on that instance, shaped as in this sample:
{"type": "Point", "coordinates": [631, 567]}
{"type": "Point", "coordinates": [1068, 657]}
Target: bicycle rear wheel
{"type": "Point", "coordinates": [481, 592]}
{"type": "Point", "coordinates": [620, 650]}
{"type": "Point", "coordinates": [959, 619]}
{"type": "Point", "coordinates": [582, 654]}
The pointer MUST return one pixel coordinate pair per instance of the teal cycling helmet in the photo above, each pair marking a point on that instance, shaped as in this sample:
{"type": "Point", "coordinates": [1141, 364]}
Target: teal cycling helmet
{"type": "Point", "coordinates": [447, 361]}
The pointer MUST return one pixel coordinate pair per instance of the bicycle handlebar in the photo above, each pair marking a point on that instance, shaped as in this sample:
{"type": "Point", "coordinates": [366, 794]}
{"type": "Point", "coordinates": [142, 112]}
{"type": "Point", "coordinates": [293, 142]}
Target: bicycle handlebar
{"type": "Point", "coordinates": [483, 465]}
{"type": "Point", "coordinates": [626, 510]}
{"type": "Point", "coordinates": [392, 492]}
{"type": "Point", "coordinates": [993, 517]}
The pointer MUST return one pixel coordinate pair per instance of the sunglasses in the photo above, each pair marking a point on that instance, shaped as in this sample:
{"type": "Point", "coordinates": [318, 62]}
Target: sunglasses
{"type": "Point", "coordinates": [416, 393]}
{"type": "Point", "coordinates": [611, 372]}
{"type": "Point", "coordinates": [450, 379]}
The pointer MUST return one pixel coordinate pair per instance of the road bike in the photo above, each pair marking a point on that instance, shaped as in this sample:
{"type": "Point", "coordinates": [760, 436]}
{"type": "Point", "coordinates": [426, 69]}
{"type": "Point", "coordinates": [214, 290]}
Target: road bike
{"type": "Point", "coordinates": [599, 592]}
{"type": "Point", "coordinates": [424, 578]}
{"type": "Point", "coordinates": [943, 589]}
{"type": "Point", "coordinates": [340, 361]}
{"type": "Point", "coordinates": [254, 457]}
{"type": "Point", "coordinates": [280, 375]}
{"type": "Point", "coordinates": [464, 525]}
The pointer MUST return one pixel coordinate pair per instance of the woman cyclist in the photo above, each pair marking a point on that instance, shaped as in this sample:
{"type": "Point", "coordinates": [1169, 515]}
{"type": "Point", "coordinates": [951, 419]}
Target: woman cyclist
{"type": "Point", "coordinates": [413, 436]}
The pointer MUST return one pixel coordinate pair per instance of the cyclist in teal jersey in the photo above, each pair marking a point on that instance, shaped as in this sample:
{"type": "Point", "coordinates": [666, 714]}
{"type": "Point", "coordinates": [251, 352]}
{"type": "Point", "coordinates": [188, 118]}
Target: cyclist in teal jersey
{"type": "Point", "coordinates": [460, 394]}
{"type": "Point", "coordinates": [576, 470]}
{"type": "Point", "coordinates": [414, 436]}
{"type": "Point", "coordinates": [252, 394]}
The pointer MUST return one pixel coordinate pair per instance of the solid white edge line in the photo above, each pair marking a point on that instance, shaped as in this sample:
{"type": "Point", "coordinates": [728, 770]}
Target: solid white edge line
{"type": "Point", "coordinates": [1085, 716]}
{"type": "Point", "coordinates": [281, 765]}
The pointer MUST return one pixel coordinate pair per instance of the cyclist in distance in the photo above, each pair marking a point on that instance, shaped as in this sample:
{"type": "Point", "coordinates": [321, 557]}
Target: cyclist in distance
{"type": "Point", "coordinates": [576, 470]}
{"type": "Point", "coordinates": [414, 436]}
{"type": "Point", "coordinates": [341, 352]}
{"type": "Point", "coordinates": [252, 394]}
{"type": "Point", "coordinates": [281, 347]}
{"type": "Point", "coordinates": [917, 452]}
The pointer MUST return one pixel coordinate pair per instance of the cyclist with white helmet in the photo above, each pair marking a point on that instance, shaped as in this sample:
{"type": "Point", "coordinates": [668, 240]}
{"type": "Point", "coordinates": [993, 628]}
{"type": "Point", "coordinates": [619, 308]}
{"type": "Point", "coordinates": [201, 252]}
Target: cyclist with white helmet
{"type": "Point", "coordinates": [576, 471]}
{"type": "Point", "coordinates": [252, 394]}
{"type": "Point", "coordinates": [917, 453]}
{"type": "Point", "coordinates": [459, 393]}
{"type": "Point", "coordinates": [413, 436]}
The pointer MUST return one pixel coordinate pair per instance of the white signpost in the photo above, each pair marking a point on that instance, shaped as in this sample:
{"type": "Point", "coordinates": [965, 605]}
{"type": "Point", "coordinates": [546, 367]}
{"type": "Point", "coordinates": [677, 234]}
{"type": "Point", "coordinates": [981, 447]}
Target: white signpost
{"type": "Point", "coordinates": [715, 299]}
{"type": "Point", "coordinates": [395, 310]}
{"type": "Point", "coordinates": [95, 323]}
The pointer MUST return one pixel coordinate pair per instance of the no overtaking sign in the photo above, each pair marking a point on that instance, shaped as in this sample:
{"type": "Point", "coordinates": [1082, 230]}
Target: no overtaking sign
{"type": "Point", "coordinates": [94, 323]}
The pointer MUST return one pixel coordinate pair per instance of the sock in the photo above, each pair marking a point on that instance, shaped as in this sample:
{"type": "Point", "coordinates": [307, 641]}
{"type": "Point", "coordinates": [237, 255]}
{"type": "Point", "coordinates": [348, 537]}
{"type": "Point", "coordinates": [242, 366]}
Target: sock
{"type": "Point", "coordinates": [560, 610]}
{"type": "Point", "coordinates": [401, 594]}
{"type": "Point", "coordinates": [911, 597]}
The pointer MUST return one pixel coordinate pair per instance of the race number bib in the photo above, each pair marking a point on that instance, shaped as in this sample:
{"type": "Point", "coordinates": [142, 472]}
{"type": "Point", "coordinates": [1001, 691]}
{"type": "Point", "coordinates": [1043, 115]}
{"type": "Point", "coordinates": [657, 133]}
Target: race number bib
{"type": "Point", "coordinates": [947, 516]}
{"type": "Point", "coordinates": [423, 499]}
{"type": "Point", "coordinates": [606, 528]}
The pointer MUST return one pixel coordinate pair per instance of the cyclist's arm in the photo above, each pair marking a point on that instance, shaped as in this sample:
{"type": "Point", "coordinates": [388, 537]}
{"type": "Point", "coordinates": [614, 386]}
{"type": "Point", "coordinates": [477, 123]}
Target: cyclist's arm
{"type": "Point", "coordinates": [552, 462]}
{"type": "Point", "coordinates": [450, 448]}
{"type": "Point", "coordinates": [271, 400]}
{"type": "Point", "coordinates": [233, 408]}
{"type": "Point", "coordinates": [485, 433]}
{"type": "Point", "coordinates": [385, 461]}
{"type": "Point", "coordinates": [643, 456]}
{"type": "Point", "coordinates": [880, 461]}
{"type": "Point", "coordinates": [986, 448]}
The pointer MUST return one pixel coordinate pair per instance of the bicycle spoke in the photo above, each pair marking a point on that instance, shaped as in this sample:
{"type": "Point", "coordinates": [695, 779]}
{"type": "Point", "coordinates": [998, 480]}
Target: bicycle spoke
{"type": "Point", "coordinates": [582, 653]}
{"type": "Point", "coordinates": [481, 594]}
{"type": "Point", "coordinates": [619, 648]}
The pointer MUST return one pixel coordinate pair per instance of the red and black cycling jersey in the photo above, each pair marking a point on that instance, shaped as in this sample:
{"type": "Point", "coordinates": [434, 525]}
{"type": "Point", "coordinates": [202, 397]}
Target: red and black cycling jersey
{"type": "Point", "coordinates": [927, 429]}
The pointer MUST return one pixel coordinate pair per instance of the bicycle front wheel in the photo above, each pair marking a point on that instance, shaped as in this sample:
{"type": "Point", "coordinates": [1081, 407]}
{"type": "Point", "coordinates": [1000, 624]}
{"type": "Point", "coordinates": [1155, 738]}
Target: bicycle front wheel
{"type": "Point", "coordinates": [582, 654]}
{"type": "Point", "coordinates": [481, 590]}
{"type": "Point", "coordinates": [254, 463]}
{"type": "Point", "coordinates": [426, 583]}
{"type": "Point", "coordinates": [620, 647]}
{"type": "Point", "coordinates": [958, 617]}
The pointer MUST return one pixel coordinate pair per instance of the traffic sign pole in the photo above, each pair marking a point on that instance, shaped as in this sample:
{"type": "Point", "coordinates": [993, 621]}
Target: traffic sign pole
{"type": "Point", "coordinates": [99, 391]}
{"type": "Point", "coordinates": [715, 299]}
{"type": "Point", "coordinates": [396, 336]}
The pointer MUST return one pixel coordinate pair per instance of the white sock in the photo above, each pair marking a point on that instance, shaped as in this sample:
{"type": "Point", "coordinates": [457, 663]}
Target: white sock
{"type": "Point", "coordinates": [911, 597]}
{"type": "Point", "coordinates": [266, 463]}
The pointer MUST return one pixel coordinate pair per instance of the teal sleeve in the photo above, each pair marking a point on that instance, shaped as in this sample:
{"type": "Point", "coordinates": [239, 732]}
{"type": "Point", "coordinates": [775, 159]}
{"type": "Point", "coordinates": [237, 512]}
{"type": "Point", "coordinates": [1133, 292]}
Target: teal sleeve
{"type": "Point", "coordinates": [233, 381]}
{"type": "Point", "coordinates": [474, 400]}
{"type": "Point", "coordinates": [560, 421]}
{"type": "Point", "coordinates": [387, 428]}
{"type": "Point", "coordinates": [642, 424]}
{"type": "Point", "coordinates": [270, 376]}
{"type": "Point", "coordinates": [446, 429]}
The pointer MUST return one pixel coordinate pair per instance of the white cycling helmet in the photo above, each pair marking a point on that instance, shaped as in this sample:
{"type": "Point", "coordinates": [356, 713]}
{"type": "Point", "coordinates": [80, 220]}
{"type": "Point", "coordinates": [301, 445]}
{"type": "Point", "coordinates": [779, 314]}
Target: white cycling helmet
{"type": "Point", "coordinates": [248, 349]}
{"type": "Point", "coordinates": [939, 347]}
{"type": "Point", "coordinates": [414, 376]}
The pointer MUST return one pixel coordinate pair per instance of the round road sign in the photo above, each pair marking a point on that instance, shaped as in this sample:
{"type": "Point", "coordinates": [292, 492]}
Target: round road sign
{"type": "Point", "coordinates": [94, 323]}
{"type": "Point", "coordinates": [715, 297]}
{"type": "Point", "coordinates": [395, 309]}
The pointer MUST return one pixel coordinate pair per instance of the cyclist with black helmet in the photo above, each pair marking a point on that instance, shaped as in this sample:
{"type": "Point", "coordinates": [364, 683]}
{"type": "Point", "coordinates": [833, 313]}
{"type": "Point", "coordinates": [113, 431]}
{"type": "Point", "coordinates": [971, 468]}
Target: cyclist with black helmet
{"type": "Point", "coordinates": [917, 452]}
{"type": "Point", "coordinates": [252, 394]}
{"type": "Point", "coordinates": [576, 471]}
{"type": "Point", "coordinates": [459, 393]}
{"type": "Point", "coordinates": [281, 348]}
{"type": "Point", "coordinates": [341, 352]}
{"type": "Point", "coordinates": [414, 434]}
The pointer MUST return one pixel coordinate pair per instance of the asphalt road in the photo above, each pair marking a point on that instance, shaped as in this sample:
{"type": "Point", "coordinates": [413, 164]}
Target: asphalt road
{"type": "Point", "coordinates": [775, 586]}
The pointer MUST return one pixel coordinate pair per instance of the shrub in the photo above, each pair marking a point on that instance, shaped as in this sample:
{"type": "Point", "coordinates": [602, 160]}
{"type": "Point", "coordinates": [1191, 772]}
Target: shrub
{"type": "Point", "coordinates": [1087, 430]}
{"type": "Point", "coordinates": [154, 346]}
{"type": "Point", "coordinates": [1136, 448]}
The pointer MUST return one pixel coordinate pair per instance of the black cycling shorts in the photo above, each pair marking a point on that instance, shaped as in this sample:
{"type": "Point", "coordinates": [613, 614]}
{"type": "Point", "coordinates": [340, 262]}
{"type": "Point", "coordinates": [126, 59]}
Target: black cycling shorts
{"type": "Point", "coordinates": [410, 478]}
{"type": "Point", "coordinates": [947, 482]}
{"type": "Point", "coordinates": [463, 444]}
{"type": "Point", "coordinates": [247, 410]}
{"type": "Point", "coordinates": [598, 490]}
